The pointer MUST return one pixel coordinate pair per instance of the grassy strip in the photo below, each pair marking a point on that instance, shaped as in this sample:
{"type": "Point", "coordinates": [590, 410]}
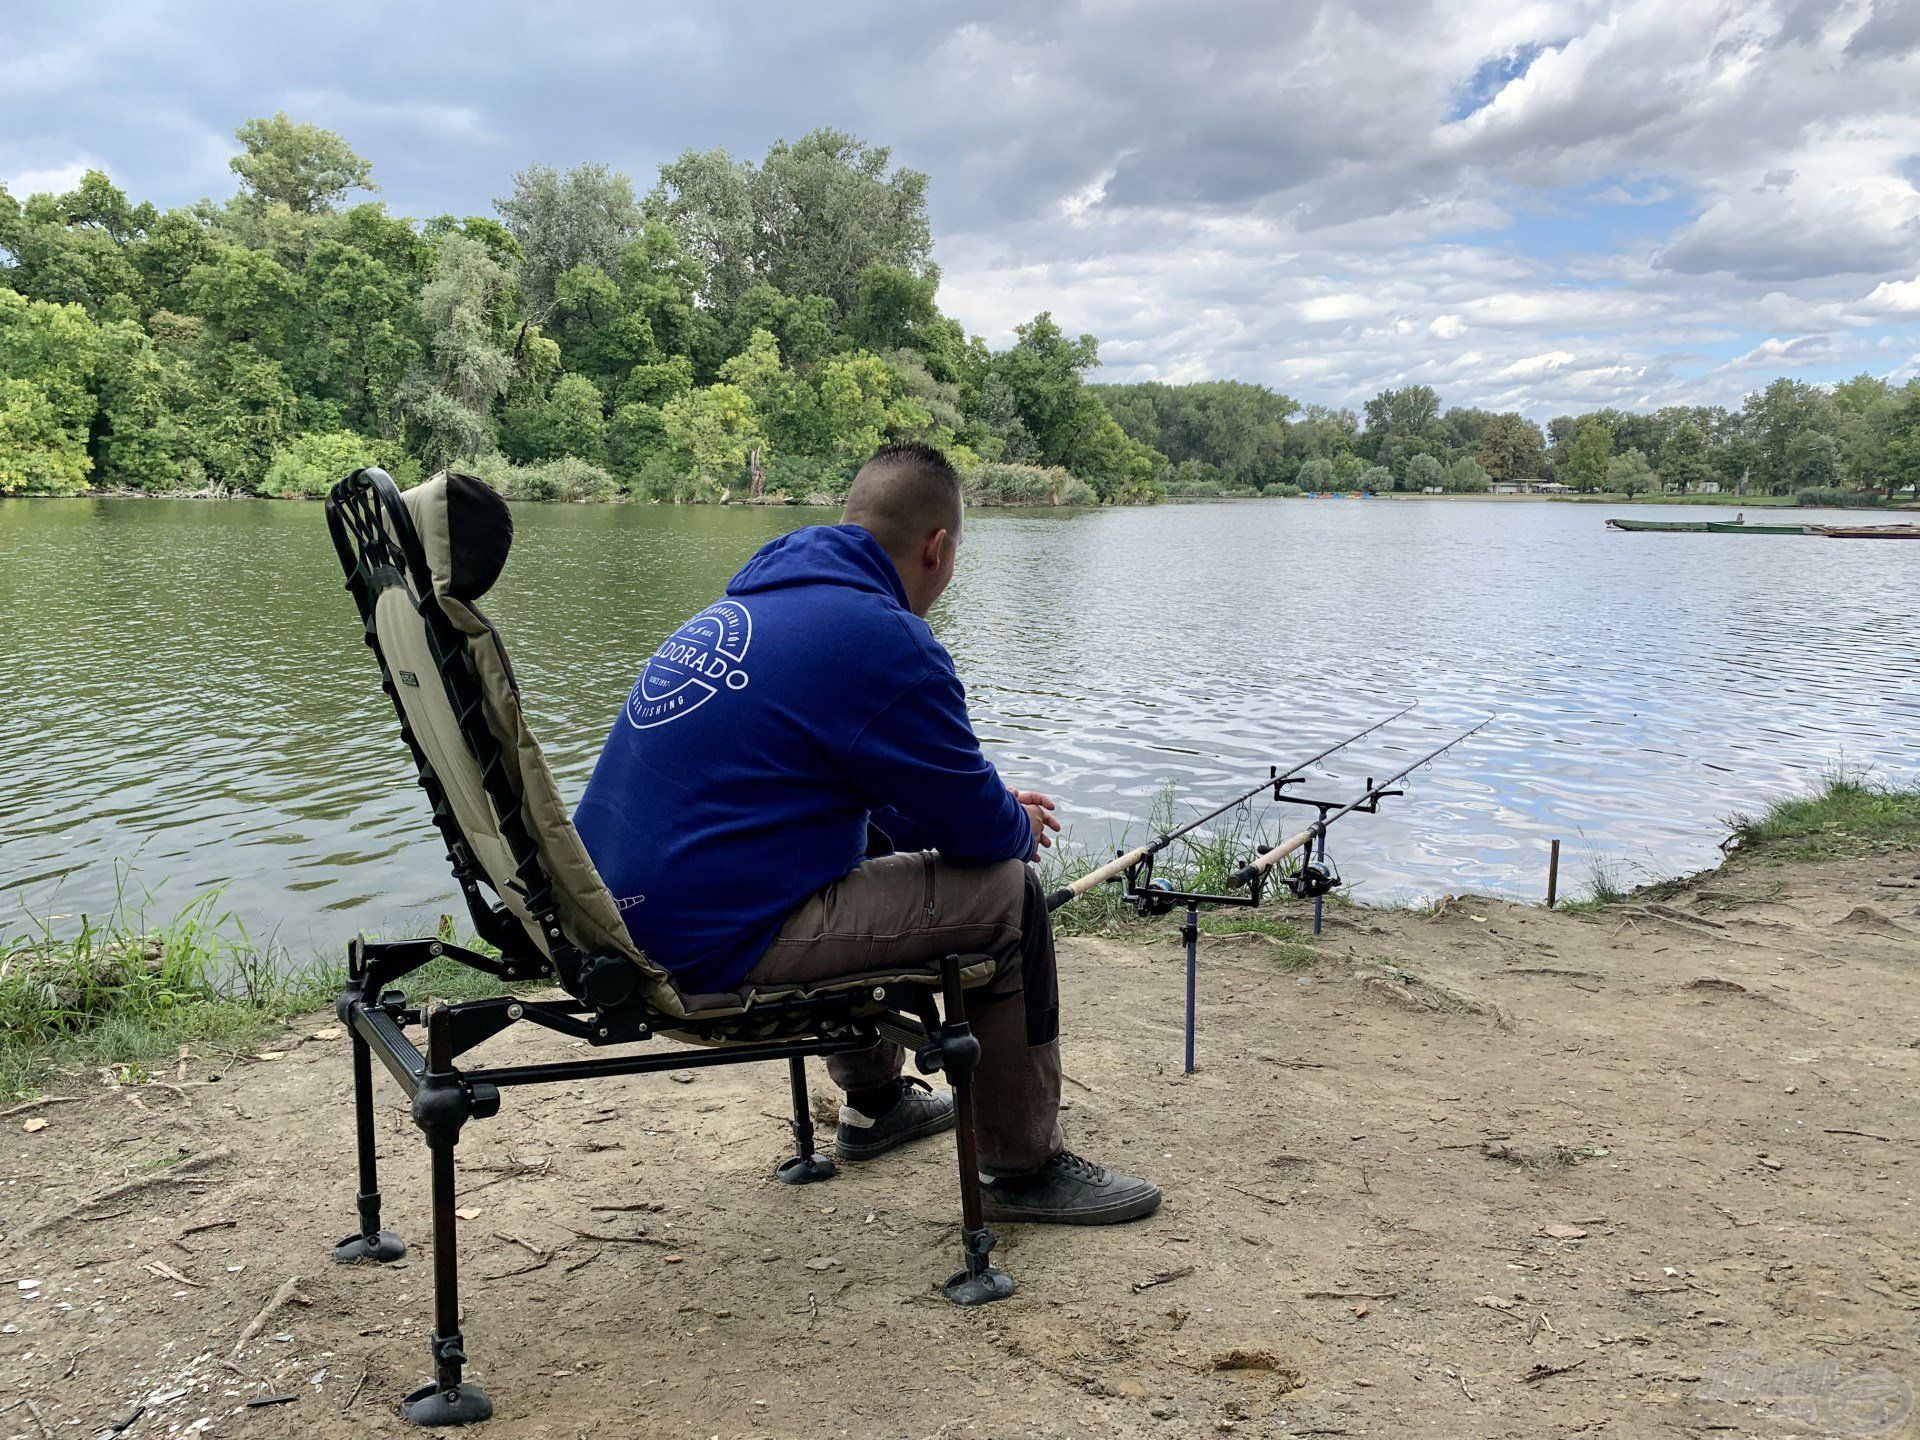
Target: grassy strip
{"type": "Point", "coordinates": [127, 994]}
{"type": "Point", "coordinates": [1850, 815]}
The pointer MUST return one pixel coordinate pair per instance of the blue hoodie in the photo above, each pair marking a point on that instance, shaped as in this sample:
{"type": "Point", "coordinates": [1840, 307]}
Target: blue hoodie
{"type": "Point", "coordinates": [740, 777]}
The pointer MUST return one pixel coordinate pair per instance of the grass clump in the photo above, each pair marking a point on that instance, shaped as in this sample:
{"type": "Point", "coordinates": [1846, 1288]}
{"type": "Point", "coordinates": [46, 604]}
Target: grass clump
{"type": "Point", "coordinates": [1199, 863]}
{"type": "Point", "coordinates": [125, 991]}
{"type": "Point", "coordinates": [1850, 814]}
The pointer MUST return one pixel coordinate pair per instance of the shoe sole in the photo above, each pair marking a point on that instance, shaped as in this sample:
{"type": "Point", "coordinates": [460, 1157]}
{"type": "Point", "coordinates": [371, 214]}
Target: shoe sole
{"type": "Point", "coordinates": [933, 1125]}
{"type": "Point", "coordinates": [1116, 1212]}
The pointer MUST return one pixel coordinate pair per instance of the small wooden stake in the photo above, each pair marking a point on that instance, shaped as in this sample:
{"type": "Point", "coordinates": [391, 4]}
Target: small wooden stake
{"type": "Point", "coordinates": [1553, 874]}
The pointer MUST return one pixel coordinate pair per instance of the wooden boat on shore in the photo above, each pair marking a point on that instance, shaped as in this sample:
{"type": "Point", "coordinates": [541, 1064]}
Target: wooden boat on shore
{"type": "Point", "coordinates": [1867, 532]}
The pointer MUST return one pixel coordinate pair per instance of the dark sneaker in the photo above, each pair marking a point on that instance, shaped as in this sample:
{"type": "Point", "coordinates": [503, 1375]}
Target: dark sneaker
{"type": "Point", "coordinates": [1070, 1191]}
{"type": "Point", "coordinates": [920, 1110]}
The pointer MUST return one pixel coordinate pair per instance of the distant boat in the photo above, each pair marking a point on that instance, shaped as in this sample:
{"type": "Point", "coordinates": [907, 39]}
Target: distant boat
{"type": "Point", "coordinates": [1867, 532]}
{"type": "Point", "coordinates": [1710, 527]}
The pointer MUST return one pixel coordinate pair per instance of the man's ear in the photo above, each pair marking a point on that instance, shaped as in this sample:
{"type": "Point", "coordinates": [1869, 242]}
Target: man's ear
{"type": "Point", "coordinates": [933, 552]}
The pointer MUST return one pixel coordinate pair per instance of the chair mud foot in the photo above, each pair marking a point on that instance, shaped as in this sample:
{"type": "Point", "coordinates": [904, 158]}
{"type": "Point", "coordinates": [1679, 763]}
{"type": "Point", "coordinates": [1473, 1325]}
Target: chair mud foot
{"type": "Point", "coordinates": [382, 1247]}
{"type": "Point", "coordinates": [806, 1169]}
{"type": "Point", "coordinates": [805, 1166]}
{"type": "Point", "coordinates": [980, 1283]}
{"type": "Point", "coordinates": [462, 1404]}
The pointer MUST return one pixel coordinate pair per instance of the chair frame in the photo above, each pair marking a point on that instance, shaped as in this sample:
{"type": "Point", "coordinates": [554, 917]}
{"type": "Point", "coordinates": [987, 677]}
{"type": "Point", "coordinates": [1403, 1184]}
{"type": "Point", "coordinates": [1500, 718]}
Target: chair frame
{"type": "Point", "coordinates": [379, 548]}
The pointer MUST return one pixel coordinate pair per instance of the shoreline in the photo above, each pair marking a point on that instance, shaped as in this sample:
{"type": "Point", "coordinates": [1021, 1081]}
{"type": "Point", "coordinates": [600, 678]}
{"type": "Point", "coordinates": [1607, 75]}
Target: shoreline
{"type": "Point", "coordinates": [125, 991]}
{"type": "Point", "coordinates": [1671, 1138]}
{"type": "Point", "coordinates": [1750, 502]}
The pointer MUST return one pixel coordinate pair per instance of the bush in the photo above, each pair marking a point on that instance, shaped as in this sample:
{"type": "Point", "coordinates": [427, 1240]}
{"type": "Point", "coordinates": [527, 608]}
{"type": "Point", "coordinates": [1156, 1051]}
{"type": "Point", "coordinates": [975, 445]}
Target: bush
{"type": "Point", "coordinates": [1292, 492]}
{"type": "Point", "coordinates": [801, 475]}
{"type": "Point", "coordinates": [1834, 497]}
{"type": "Point", "coordinates": [1005, 484]}
{"type": "Point", "coordinates": [310, 465]}
{"type": "Point", "coordinates": [568, 478]}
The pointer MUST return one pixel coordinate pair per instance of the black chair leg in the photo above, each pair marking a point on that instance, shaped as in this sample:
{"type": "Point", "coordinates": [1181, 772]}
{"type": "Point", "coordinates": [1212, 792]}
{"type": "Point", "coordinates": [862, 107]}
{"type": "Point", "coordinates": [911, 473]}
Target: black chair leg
{"type": "Point", "coordinates": [371, 1243]}
{"type": "Point", "coordinates": [442, 1107]}
{"type": "Point", "coordinates": [979, 1283]}
{"type": "Point", "coordinates": [804, 1166]}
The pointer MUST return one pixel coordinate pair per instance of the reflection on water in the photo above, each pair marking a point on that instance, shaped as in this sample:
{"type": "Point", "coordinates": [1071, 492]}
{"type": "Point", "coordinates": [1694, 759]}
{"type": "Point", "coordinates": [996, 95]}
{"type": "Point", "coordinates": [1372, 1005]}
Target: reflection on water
{"type": "Point", "coordinates": [182, 688]}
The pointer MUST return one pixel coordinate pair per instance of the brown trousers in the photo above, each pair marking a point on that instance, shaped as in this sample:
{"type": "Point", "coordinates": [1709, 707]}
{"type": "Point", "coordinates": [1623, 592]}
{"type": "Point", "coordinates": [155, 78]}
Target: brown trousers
{"type": "Point", "coordinates": [910, 911]}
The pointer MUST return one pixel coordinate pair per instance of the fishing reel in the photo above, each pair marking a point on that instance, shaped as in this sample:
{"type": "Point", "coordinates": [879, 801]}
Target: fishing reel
{"type": "Point", "coordinates": [1314, 878]}
{"type": "Point", "coordinates": [1155, 897]}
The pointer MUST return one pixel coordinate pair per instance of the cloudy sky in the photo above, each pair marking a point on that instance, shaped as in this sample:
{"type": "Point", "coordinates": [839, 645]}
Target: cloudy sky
{"type": "Point", "coordinates": [1537, 204]}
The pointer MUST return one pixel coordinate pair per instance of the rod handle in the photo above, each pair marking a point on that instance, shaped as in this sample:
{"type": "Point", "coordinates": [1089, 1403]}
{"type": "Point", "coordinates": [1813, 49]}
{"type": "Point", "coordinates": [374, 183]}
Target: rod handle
{"type": "Point", "coordinates": [1114, 868]}
{"type": "Point", "coordinates": [1267, 859]}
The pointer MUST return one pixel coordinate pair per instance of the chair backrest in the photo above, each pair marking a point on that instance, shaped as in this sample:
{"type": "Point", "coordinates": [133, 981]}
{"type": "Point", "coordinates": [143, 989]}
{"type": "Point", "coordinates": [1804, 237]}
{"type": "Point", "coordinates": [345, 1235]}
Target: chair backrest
{"type": "Point", "coordinates": [416, 564]}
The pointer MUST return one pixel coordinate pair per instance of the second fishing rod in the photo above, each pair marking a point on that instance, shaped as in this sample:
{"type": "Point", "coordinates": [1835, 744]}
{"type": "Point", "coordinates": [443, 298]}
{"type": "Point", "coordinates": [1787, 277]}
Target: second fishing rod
{"type": "Point", "coordinates": [1115, 868]}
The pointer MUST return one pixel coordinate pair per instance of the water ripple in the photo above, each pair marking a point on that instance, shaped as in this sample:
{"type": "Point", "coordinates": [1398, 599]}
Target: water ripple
{"type": "Point", "coordinates": [182, 687]}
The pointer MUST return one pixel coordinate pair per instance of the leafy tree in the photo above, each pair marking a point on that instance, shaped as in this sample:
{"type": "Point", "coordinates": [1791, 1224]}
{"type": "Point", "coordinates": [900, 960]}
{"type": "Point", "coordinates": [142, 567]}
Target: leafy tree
{"type": "Point", "coordinates": [47, 357]}
{"type": "Point", "coordinates": [361, 331]}
{"type": "Point", "coordinates": [1466, 475]}
{"type": "Point", "coordinates": [560, 220]}
{"type": "Point", "coordinates": [303, 167]}
{"type": "Point", "coordinates": [1585, 466]}
{"type": "Point", "coordinates": [1316, 473]}
{"type": "Point", "coordinates": [709, 433]}
{"type": "Point", "coordinates": [569, 420]}
{"type": "Point", "coordinates": [1237, 431]}
{"type": "Point", "coordinates": [1683, 459]}
{"type": "Point", "coordinates": [1423, 471]}
{"type": "Point", "coordinates": [1812, 461]}
{"type": "Point", "coordinates": [1512, 448]}
{"type": "Point", "coordinates": [1630, 474]}
{"type": "Point", "coordinates": [448, 400]}
{"type": "Point", "coordinates": [1772, 418]}
{"type": "Point", "coordinates": [242, 413]}
{"type": "Point", "coordinates": [1376, 478]}
{"type": "Point", "coordinates": [808, 219]}
{"type": "Point", "coordinates": [892, 309]}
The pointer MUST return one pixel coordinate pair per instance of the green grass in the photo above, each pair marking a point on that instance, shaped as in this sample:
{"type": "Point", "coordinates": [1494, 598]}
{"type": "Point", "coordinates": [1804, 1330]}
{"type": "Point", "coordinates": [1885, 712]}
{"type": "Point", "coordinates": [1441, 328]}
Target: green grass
{"type": "Point", "coordinates": [126, 993]}
{"type": "Point", "coordinates": [1198, 862]}
{"type": "Point", "coordinates": [1851, 814]}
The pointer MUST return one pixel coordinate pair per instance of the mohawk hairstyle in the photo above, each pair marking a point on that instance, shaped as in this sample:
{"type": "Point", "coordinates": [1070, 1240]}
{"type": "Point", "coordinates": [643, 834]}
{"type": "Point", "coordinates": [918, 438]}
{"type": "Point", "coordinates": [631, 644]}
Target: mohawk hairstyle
{"type": "Point", "coordinates": [904, 493]}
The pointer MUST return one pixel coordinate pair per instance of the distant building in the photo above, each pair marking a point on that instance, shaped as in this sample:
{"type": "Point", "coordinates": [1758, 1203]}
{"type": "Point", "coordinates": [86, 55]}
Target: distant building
{"type": "Point", "coordinates": [1708, 487]}
{"type": "Point", "coordinates": [1518, 486]}
{"type": "Point", "coordinates": [1550, 487]}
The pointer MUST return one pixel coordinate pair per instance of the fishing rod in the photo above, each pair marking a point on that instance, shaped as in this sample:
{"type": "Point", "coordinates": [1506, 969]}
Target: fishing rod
{"type": "Point", "coordinates": [1122, 863]}
{"type": "Point", "coordinates": [1315, 877]}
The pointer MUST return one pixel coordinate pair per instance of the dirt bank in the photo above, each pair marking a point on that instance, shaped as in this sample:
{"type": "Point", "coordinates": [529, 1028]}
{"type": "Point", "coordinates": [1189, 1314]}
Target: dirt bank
{"type": "Point", "coordinates": [1490, 1172]}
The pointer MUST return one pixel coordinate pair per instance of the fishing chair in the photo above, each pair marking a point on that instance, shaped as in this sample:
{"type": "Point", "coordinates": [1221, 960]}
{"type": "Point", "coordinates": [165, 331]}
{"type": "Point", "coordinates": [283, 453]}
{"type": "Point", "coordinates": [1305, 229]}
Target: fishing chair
{"type": "Point", "coordinates": [416, 564]}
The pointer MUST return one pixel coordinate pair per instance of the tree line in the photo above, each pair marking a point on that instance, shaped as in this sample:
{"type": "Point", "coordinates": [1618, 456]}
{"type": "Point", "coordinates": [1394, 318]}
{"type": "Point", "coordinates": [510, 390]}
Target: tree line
{"type": "Point", "coordinates": [749, 327]}
{"type": "Point", "coordinates": [1857, 440]}
{"type": "Point", "coordinates": [743, 328]}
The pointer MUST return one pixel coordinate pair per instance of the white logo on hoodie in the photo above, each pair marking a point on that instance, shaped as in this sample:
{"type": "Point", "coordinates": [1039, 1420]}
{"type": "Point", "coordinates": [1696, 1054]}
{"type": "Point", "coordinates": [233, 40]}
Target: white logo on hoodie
{"type": "Point", "coordinates": [692, 664]}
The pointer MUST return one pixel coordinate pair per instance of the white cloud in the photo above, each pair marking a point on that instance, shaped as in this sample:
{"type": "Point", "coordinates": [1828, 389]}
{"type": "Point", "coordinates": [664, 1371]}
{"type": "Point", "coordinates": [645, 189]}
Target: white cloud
{"type": "Point", "coordinates": [1278, 193]}
{"type": "Point", "coordinates": [57, 180]}
{"type": "Point", "coordinates": [1894, 297]}
{"type": "Point", "coordinates": [1330, 309]}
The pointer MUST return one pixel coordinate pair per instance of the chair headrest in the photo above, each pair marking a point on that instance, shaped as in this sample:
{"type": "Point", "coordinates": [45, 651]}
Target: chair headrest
{"type": "Point", "coordinates": [466, 530]}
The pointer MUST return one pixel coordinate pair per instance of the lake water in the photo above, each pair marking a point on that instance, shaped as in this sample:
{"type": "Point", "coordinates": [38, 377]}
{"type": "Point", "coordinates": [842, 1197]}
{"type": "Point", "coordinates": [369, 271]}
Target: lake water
{"type": "Point", "coordinates": [185, 704]}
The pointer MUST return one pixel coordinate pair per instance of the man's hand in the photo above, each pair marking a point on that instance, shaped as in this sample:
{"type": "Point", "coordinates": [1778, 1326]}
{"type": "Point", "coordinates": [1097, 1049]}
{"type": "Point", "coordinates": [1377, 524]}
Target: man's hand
{"type": "Point", "coordinates": [1039, 810]}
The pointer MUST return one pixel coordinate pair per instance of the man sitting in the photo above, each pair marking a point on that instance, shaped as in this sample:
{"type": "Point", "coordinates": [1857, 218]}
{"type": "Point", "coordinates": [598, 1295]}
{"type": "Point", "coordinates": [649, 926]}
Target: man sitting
{"type": "Point", "coordinates": [794, 792]}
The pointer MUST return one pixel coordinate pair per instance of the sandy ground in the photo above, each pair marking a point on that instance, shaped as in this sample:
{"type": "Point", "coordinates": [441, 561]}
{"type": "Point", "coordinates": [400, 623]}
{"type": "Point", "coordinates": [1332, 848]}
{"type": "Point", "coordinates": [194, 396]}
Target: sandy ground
{"type": "Point", "coordinates": [1494, 1172]}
